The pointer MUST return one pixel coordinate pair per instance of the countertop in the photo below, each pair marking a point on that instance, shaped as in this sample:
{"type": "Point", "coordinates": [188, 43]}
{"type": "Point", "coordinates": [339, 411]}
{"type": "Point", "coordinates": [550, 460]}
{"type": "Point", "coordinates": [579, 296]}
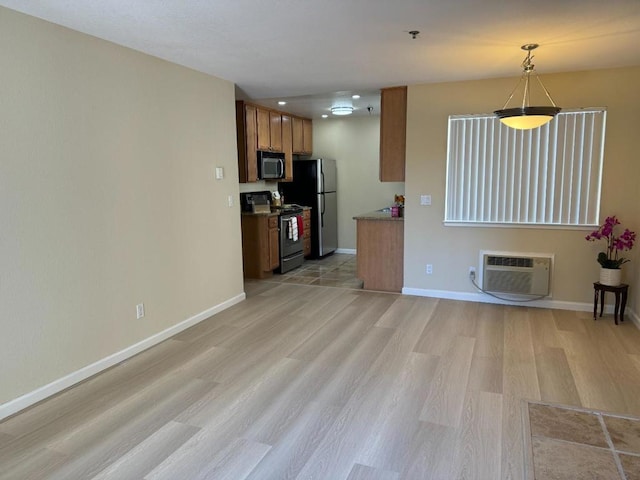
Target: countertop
{"type": "Point", "coordinates": [378, 215]}
{"type": "Point", "coordinates": [273, 212]}
{"type": "Point", "coordinates": [265, 214]}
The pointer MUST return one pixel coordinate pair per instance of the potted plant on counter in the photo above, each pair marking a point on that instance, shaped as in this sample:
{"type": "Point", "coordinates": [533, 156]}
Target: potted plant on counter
{"type": "Point", "coordinates": [609, 260]}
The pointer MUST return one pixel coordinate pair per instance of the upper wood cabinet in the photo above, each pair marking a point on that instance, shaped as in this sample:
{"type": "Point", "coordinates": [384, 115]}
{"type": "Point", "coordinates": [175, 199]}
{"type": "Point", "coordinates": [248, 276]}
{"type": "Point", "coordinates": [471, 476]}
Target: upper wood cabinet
{"type": "Point", "coordinates": [302, 136]}
{"type": "Point", "coordinates": [247, 138]}
{"type": "Point", "coordinates": [307, 136]}
{"type": "Point", "coordinates": [269, 130]}
{"type": "Point", "coordinates": [264, 130]}
{"type": "Point", "coordinates": [260, 128]}
{"type": "Point", "coordinates": [275, 131]}
{"type": "Point", "coordinates": [393, 133]}
{"type": "Point", "coordinates": [287, 146]}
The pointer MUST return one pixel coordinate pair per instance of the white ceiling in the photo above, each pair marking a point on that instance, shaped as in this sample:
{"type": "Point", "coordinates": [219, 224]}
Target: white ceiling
{"type": "Point", "coordinates": [311, 49]}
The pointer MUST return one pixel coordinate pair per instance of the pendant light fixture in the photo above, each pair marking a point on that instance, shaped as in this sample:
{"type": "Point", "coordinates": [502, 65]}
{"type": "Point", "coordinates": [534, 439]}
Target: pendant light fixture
{"type": "Point", "coordinates": [526, 117]}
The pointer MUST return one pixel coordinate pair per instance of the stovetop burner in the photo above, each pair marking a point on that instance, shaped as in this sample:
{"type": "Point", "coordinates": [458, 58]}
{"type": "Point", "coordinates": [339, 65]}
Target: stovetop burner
{"type": "Point", "coordinates": [290, 209]}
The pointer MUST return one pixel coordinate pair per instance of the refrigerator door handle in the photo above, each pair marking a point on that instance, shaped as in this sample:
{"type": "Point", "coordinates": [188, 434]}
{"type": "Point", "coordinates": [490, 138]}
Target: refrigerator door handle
{"type": "Point", "coordinates": [322, 179]}
{"type": "Point", "coordinates": [322, 211]}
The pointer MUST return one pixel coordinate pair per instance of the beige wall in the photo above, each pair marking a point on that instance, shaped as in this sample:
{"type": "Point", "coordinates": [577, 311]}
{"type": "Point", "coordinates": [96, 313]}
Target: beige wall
{"type": "Point", "coordinates": [354, 143]}
{"type": "Point", "coordinates": [259, 186]}
{"type": "Point", "coordinates": [107, 199]}
{"type": "Point", "coordinates": [452, 250]}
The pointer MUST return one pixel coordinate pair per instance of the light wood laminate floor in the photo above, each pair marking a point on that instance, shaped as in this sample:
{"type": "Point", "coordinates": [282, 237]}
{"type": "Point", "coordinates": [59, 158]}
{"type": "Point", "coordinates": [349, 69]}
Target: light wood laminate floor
{"type": "Point", "coordinates": [311, 382]}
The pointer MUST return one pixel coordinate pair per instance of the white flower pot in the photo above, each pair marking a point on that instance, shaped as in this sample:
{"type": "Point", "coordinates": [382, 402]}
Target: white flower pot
{"type": "Point", "coordinates": [610, 276]}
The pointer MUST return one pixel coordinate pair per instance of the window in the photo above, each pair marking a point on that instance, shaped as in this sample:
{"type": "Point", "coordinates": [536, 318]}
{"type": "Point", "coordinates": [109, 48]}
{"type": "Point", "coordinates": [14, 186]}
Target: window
{"type": "Point", "coordinates": [546, 176]}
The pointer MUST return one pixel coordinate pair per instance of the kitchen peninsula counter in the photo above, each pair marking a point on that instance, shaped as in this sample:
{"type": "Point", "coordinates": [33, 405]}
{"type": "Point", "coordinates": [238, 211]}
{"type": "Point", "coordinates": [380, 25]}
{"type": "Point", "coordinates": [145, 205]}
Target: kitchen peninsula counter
{"type": "Point", "coordinates": [380, 251]}
{"type": "Point", "coordinates": [378, 215]}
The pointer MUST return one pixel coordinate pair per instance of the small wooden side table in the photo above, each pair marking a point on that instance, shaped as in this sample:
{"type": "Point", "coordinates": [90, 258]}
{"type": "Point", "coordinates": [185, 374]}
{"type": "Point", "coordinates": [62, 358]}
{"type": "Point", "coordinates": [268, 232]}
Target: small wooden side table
{"type": "Point", "coordinates": [619, 290]}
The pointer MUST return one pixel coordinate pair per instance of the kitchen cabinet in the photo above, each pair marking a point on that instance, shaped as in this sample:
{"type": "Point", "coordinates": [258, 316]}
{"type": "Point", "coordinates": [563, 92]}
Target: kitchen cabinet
{"type": "Point", "coordinates": [306, 235]}
{"type": "Point", "coordinates": [264, 134]}
{"type": "Point", "coordinates": [302, 136]}
{"type": "Point", "coordinates": [260, 245]}
{"type": "Point", "coordinates": [247, 140]}
{"type": "Point", "coordinates": [260, 128]}
{"type": "Point", "coordinates": [274, 243]}
{"type": "Point", "coordinates": [275, 131]}
{"type": "Point", "coordinates": [393, 133]}
{"type": "Point", "coordinates": [307, 136]}
{"type": "Point", "coordinates": [269, 126]}
{"type": "Point", "coordinates": [287, 147]}
{"type": "Point", "coordinates": [380, 246]}
{"type": "Point", "coordinates": [298, 141]}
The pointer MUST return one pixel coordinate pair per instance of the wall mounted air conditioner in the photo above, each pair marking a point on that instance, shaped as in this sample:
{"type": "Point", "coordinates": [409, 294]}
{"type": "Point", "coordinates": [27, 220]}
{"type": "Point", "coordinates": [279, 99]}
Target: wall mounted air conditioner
{"type": "Point", "coordinates": [516, 273]}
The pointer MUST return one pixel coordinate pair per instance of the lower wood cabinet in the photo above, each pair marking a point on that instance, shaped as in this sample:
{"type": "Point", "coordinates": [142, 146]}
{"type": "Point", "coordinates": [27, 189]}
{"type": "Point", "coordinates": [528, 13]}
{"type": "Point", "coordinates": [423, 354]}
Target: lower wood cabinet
{"type": "Point", "coordinates": [380, 258]}
{"type": "Point", "coordinates": [274, 244]}
{"type": "Point", "coordinates": [260, 245]}
{"type": "Point", "coordinates": [306, 236]}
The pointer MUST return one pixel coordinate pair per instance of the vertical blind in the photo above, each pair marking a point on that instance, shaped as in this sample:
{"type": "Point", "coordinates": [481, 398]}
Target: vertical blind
{"type": "Point", "coordinates": [549, 175]}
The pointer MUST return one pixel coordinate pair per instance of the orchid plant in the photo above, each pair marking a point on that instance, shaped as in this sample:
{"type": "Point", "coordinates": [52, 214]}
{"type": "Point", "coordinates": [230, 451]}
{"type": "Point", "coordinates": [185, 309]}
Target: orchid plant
{"type": "Point", "coordinates": [615, 244]}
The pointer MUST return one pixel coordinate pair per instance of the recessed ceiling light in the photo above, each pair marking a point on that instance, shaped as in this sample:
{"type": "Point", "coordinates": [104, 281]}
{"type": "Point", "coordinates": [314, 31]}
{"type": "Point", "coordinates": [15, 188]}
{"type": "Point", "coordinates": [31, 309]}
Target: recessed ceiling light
{"type": "Point", "coordinates": [282, 102]}
{"type": "Point", "coordinates": [342, 110]}
{"type": "Point", "coordinates": [324, 115]}
{"type": "Point", "coordinates": [355, 97]}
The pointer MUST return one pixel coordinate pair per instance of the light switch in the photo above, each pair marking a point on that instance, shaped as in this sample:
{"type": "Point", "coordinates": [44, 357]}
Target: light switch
{"type": "Point", "coordinates": [425, 199]}
{"type": "Point", "coordinates": [219, 173]}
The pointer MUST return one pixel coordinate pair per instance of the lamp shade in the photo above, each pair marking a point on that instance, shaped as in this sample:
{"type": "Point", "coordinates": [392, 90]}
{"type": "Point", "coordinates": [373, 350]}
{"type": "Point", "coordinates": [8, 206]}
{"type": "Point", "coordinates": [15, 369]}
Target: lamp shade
{"type": "Point", "coordinates": [526, 118]}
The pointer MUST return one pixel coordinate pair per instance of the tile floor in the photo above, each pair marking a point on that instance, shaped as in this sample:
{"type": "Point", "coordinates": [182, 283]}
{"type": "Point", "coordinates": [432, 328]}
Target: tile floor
{"type": "Point", "coordinates": [572, 443]}
{"type": "Point", "coordinates": [337, 270]}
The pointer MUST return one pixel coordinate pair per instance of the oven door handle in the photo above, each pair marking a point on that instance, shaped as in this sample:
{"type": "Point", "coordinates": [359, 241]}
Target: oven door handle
{"type": "Point", "coordinates": [292, 257]}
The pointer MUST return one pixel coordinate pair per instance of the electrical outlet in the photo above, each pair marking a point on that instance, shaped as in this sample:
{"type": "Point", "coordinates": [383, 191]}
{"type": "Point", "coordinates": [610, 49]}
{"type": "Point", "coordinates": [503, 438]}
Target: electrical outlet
{"type": "Point", "coordinates": [230, 200]}
{"type": "Point", "coordinates": [429, 269]}
{"type": "Point", "coordinates": [139, 311]}
{"type": "Point", "coordinates": [219, 173]}
{"type": "Point", "coordinates": [472, 272]}
{"type": "Point", "coordinates": [425, 199]}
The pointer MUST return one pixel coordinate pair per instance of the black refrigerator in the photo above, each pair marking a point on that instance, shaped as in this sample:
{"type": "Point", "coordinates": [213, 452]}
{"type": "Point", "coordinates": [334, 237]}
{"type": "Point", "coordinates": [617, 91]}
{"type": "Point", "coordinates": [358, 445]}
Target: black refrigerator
{"type": "Point", "coordinates": [314, 185]}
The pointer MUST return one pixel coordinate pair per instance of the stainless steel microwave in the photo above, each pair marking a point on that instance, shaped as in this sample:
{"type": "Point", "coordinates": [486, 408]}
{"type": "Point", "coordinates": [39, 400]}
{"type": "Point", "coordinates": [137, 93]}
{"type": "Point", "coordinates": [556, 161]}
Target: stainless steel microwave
{"type": "Point", "coordinates": [270, 165]}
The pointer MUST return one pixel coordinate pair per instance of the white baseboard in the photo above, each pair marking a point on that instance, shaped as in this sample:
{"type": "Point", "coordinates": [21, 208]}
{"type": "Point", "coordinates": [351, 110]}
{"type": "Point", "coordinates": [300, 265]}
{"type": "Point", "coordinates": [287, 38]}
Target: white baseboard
{"type": "Point", "coordinates": [348, 251]}
{"type": "Point", "coordinates": [479, 297]}
{"type": "Point", "coordinates": [13, 406]}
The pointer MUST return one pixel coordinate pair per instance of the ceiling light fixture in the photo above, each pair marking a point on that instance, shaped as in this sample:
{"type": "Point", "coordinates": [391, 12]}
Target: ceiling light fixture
{"type": "Point", "coordinates": [324, 115]}
{"type": "Point", "coordinates": [355, 97]}
{"type": "Point", "coordinates": [282, 102]}
{"type": "Point", "coordinates": [342, 110]}
{"type": "Point", "coordinates": [526, 117]}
